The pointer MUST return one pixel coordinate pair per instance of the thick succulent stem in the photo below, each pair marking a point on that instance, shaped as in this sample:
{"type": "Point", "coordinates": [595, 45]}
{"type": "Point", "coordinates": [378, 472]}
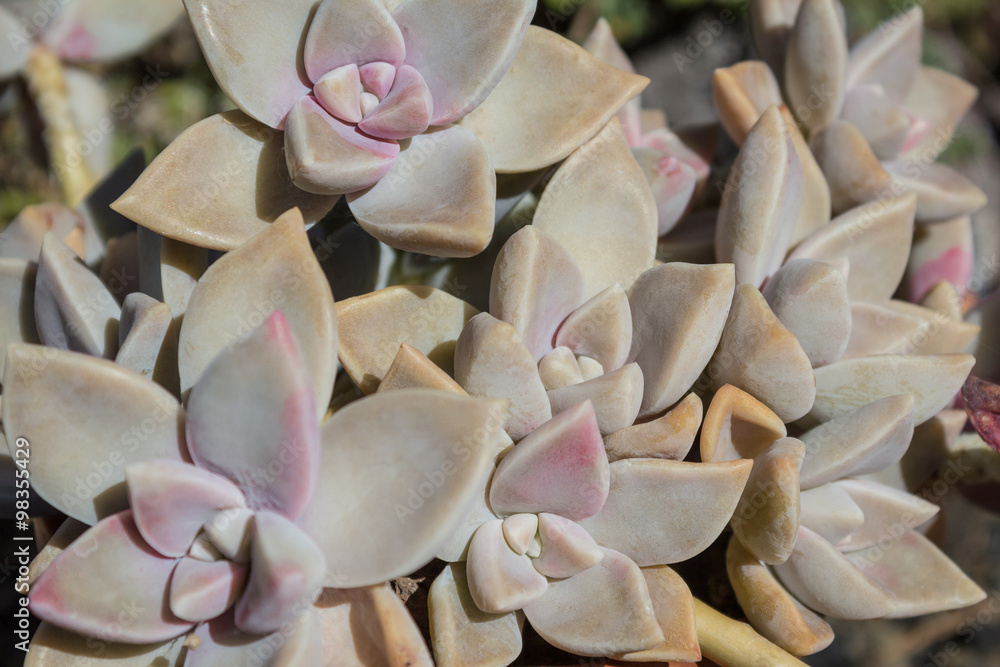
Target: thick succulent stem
{"type": "Point", "coordinates": [47, 84]}
{"type": "Point", "coordinates": [733, 644]}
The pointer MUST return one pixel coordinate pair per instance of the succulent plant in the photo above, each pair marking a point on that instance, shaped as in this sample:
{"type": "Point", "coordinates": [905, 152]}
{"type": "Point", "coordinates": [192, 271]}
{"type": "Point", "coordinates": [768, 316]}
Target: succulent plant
{"type": "Point", "coordinates": [368, 108]}
{"type": "Point", "coordinates": [231, 502]}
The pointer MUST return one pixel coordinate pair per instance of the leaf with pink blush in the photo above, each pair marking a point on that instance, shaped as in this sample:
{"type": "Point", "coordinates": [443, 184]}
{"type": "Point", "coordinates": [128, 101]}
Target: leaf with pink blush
{"type": "Point", "coordinates": [252, 419]}
{"type": "Point", "coordinates": [567, 549]}
{"type": "Point", "coordinates": [560, 468]}
{"type": "Point", "coordinates": [462, 49]}
{"type": "Point", "coordinates": [339, 92]}
{"type": "Point", "coordinates": [171, 500]}
{"type": "Point", "coordinates": [220, 182]}
{"type": "Point", "coordinates": [940, 251]}
{"type": "Point", "coordinates": [351, 32]}
{"type": "Point", "coordinates": [535, 285]}
{"type": "Point", "coordinates": [982, 402]}
{"type": "Point", "coordinates": [286, 575]}
{"type": "Point", "coordinates": [438, 197]}
{"type": "Point", "coordinates": [330, 157]}
{"type": "Point", "coordinates": [405, 111]}
{"type": "Point", "coordinates": [105, 30]}
{"type": "Point", "coordinates": [200, 590]}
{"type": "Point", "coordinates": [222, 644]}
{"type": "Point", "coordinates": [277, 268]}
{"type": "Point", "coordinates": [108, 575]}
{"type": "Point", "coordinates": [264, 78]}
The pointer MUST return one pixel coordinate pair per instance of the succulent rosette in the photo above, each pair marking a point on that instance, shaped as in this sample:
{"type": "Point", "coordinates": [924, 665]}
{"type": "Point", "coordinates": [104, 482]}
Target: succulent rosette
{"type": "Point", "coordinates": [163, 484]}
{"type": "Point", "coordinates": [874, 117]}
{"type": "Point", "coordinates": [364, 99]}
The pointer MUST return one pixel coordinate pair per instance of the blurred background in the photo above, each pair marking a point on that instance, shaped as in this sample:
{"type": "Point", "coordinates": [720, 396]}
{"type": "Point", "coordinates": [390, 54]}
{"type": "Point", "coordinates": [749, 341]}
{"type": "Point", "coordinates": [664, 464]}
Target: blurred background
{"type": "Point", "coordinates": [677, 44]}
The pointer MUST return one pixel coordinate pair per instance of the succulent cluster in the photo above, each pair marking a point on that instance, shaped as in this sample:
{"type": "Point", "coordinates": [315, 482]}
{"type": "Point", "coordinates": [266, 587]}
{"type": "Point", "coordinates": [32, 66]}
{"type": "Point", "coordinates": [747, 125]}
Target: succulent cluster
{"type": "Point", "coordinates": [231, 501]}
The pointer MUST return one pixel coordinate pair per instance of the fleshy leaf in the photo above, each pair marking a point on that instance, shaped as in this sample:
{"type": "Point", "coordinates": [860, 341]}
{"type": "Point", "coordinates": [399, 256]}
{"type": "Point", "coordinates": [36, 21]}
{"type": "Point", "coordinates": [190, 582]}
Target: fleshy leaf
{"type": "Point", "coordinates": [884, 125]}
{"type": "Point", "coordinates": [766, 519]}
{"type": "Point", "coordinates": [859, 441]}
{"type": "Point", "coordinates": [701, 498]}
{"type": "Point", "coordinates": [149, 340]}
{"type": "Point", "coordinates": [608, 227]}
{"type": "Point", "coordinates": [500, 580]}
{"type": "Point", "coordinates": [938, 99]}
{"type": "Point", "coordinates": [252, 419]}
{"type": "Point", "coordinates": [810, 299]}
{"type": "Point", "coordinates": [17, 303]}
{"type": "Point", "coordinates": [404, 112]}
{"type": "Point", "coordinates": [221, 644]}
{"type": "Point", "coordinates": [277, 269]}
{"type": "Point", "coordinates": [433, 450]}
{"type": "Point", "coordinates": [827, 582]}
{"type": "Point", "coordinates": [535, 285]}
{"type": "Point", "coordinates": [171, 500]}
{"type": "Point", "coordinates": [286, 574]}
{"type": "Point", "coordinates": [491, 361]}
{"type": "Point", "coordinates": [738, 426]}
{"type": "Point", "coordinates": [111, 551]}
{"type": "Point", "coordinates": [898, 567]}
{"type": "Point", "coordinates": [327, 156]}
{"type": "Point", "coordinates": [759, 355]}
{"type": "Point", "coordinates": [674, 608]}
{"type": "Point", "coordinates": [200, 591]}
{"type": "Point", "coordinates": [264, 79]}
{"type": "Point", "coordinates": [942, 193]}
{"type": "Point", "coordinates": [462, 50]}
{"type": "Point", "coordinates": [438, 197]}
{"type": "Point", "coordinates": [742, 93]}
{"type": "Point", "coordinates": [933, 379]}
{"type": "Point", "coordinates": [889, 55]}
{"type": "Point", "coordinates": [852, 169]}
{"type": "Point", "coordinates": [768, 606]}
{"type": "Point", "coordinates": [73, 308]}
{"type": "Point", "coordinates": [411, 369]}
{"type": "Point", "coordinates": [373, 326]}
{"type": "Point", "coordinates": [601, 328]}
{"type": "Point", "coordinates": [560, 468]}
{"type": "Point", "coordinates": [668, 437]}
{"type": "Point", "coordinates": [220, 182]}
{"type": "Point", "coordinates": [941, 251]}
{"type": "Point", "coordinates": [875, 238]}
{"type": "Point", "coordinates": [760, 207]}
{"type": "Point", "coordinates": [881, 330]}
{"type": "Point", "coordinates": [830, 512]}
{"type": "Point", "coordinates": [110, 417]}
{"type": "Point", "coordinates": [565, 617]}
{"type": "Point", "coordinates": [888, 512]}
{"type": "Point", "coordinates": [52, 645]}
{"type": "Point", "coordinates": [816, 64]}
{"type": "Point", "coordinates": [461, 633]}
{"type": "Point", "coordinates": [567, 549]}
{"type": "Point", "coordinates": [356, 32]}
{"type": "Point", "coordinates": [672, 345]}
{"type": "Point", "coordinates": [521, 127]}
{"type": "Point", "coordinates": [616, 396]}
